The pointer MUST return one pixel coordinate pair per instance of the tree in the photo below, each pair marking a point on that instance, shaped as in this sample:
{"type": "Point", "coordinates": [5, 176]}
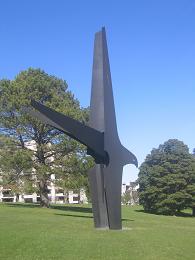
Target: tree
{"type": "Point", "coordinates": [73, 174]}
{"type": "Point", "coordinates": [16, 166]}
{"type": "Point", "coordinates": [130, 196]}
{"type": "Point", "coordinates": [167, 179]}
{"type": "Point", "coordinates": [50, 147]}
{"type": "Point", "coordinates": [126, 198]}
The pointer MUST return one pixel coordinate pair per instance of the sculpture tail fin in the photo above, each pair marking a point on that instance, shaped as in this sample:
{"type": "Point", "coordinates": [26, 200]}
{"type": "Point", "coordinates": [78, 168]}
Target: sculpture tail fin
{"type": "Point", "coordinates": [128, 157]}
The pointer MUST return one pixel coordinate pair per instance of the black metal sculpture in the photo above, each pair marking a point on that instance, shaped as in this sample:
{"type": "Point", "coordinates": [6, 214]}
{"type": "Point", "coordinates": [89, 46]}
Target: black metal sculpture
{"type": "Point", "coordinates": [101, 139]}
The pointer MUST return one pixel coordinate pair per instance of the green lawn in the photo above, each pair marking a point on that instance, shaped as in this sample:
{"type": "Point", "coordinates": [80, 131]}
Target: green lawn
{"type": "Point", "coordinates": [66, 232]}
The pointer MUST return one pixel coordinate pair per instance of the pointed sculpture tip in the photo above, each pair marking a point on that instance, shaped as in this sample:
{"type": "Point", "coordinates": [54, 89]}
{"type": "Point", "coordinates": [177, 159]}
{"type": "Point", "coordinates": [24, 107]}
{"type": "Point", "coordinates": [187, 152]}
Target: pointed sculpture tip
{"type": "Point", "coordinates": [101, 32]}
{"type": "Point", "coordinates": [135, 161]}
{"type": "Point", "coordinates": [104, 31]}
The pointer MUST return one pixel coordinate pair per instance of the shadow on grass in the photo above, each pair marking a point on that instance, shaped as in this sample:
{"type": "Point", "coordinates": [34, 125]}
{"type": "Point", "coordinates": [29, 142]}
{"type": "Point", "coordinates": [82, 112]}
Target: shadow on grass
{"type": "Point", "coordinates": [179, 214]}
{"type": "Point", "coordinates": [127, 219]}
{"type": "Point", "coordinates": [22, 205]}
{"type": "Point", "coordinates": [77, 209]}
{"type": "Point", "coordinates": [58, 207]}
{"type": "Point", "coordinates": [71, 215]}
{"type": "Point", "coordinates": [72, 208]}
{"type": "Point", "coordinates": [185, 215]}
{"type": "Point", "coordinates": [84, 216]}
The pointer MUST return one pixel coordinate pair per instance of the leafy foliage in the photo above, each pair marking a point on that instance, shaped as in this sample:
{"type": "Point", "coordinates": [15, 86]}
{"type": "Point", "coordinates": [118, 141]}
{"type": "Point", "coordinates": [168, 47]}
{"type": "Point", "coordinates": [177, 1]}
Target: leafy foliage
{"type": "Point", "coordinates": [126, 198]}
{"type": "Point", "coordinates": [16, 166]}
{"type": "Point", "coordinates": [130, 197]}
{"type": "Point", "coordinates": [167, 179]}
{"type": "Point", "coordinates": [51, 149]}
{"type": "Point", "coordinates": [72, 173]}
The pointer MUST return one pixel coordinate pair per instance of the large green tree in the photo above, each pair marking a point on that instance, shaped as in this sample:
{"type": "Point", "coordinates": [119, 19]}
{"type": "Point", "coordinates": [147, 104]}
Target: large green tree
{"type": "Point", "coordinates": [50, 147]}
{"type": "Point", "coordinates": [167, 179]}
{"type": "Point", "coordinates": [72, 175]}
{"type": "Point", "coordinates": [16, 166]}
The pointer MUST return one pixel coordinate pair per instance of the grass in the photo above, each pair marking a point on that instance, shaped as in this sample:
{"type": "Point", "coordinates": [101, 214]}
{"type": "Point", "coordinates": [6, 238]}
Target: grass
{"type": "Point", "coordinates": [66, 232]}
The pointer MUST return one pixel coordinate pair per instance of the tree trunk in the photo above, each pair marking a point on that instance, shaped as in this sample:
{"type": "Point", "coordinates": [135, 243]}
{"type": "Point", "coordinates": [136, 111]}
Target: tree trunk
{"type": "Point", "coordinates": [44, 200]}
{"type": "Point", "coordinates": [66, 195]}
{"type": "Point", "coordinates": [17, 197]}
{"type": "Point", "coordinates": [193, 212]}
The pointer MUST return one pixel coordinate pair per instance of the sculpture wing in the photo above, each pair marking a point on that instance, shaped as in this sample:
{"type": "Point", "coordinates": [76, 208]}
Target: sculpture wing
{"type": "Point", "coordinates": [86, 135]}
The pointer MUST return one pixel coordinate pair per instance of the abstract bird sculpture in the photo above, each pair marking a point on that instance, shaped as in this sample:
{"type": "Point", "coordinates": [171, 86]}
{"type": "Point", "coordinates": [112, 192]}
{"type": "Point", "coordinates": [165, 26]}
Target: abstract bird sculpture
{"type": "Point", "coordinates": [101, 139]}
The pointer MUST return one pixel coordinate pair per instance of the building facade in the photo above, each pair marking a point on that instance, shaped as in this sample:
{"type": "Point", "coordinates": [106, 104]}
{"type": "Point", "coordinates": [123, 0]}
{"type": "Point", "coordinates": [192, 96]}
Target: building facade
{"type": "Point", "coordinates": [55, 195]}
{"type": "Point", "coordinates": [130, 194]}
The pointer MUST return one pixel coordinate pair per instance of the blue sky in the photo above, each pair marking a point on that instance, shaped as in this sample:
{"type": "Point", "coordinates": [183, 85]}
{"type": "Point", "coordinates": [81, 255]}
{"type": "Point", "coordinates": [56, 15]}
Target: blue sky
{"type": "Point", "coordinates": [152, 55]}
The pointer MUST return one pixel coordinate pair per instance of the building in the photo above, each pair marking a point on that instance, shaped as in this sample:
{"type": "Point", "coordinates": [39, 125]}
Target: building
{"type": "Point", "coordinates": [130, 193]}
{"type": "Point", "coordinates": [58, 196]}
{"type": "Point", "coordinates": [55, 194]}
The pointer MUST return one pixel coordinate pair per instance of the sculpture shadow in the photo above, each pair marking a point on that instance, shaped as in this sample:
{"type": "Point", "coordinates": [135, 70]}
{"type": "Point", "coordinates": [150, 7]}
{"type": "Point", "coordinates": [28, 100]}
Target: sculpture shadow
{"type": "Point", "coordinates": [84, 216]}
{"type": "Point", "coordinates": [179, 214]}
{"type": "Point", "coordinates": [72, 208]}
{"type": "Point", "coordinates": [72, 215]}
{"type": "Point", "coordinates": [65, 208]}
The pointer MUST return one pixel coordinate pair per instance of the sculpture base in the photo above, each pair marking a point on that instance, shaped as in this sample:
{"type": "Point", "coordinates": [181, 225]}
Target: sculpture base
{"type": "Point", "coordinates": [108, 229]}
{"type": "Point", "coordinates": [102, 228]}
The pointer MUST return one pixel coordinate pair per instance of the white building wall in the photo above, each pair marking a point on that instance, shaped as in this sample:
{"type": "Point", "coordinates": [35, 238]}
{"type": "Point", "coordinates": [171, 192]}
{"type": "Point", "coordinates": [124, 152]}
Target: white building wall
{"type": "Point", "coordinates": [73, 197]}
{"type": "Point", "coordinates": [53, 190]}
{"type": "Point", "coordinates": [83, 197]}
{"type": "Point", "coordinates": [21, 198]}
{"type": "Point", "coordinates": [1, 193]}
{"type": "Point", "coordinates": [123, 188]}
